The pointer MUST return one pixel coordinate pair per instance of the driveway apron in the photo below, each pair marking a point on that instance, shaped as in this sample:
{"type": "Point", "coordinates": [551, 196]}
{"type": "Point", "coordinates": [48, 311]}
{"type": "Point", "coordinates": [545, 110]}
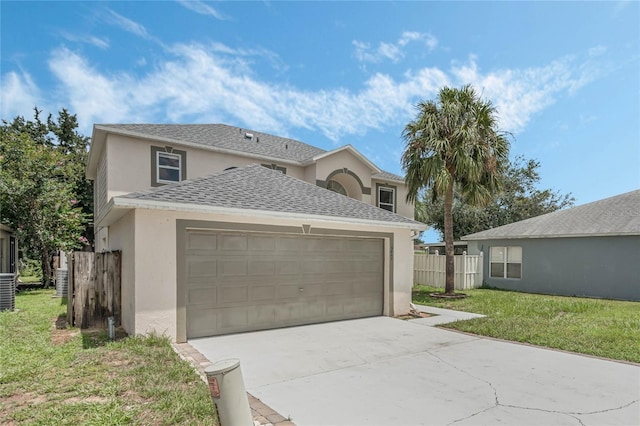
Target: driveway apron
{"type": "Point", "coordinates": [385, 371]}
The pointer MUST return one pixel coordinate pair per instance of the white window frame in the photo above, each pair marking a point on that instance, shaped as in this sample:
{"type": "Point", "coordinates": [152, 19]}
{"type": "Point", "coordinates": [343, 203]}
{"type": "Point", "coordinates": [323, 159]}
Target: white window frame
{"type": "Point", "coordinates": [393, 198]}
{"type": "Point", "coordinates": [158, 166]}
{"type": "Point", "coordinates": [505, 261]}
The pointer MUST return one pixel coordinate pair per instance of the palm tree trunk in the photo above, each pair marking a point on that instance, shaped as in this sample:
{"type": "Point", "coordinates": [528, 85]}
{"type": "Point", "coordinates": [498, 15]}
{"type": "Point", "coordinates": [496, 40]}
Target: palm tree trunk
{"type": "Point", "coordinates": [449, 287]}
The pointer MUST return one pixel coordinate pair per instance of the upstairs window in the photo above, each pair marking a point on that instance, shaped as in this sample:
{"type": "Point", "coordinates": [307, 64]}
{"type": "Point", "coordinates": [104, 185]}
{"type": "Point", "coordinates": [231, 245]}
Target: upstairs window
{"type": "Point", "coordinates": [387, 198]}
{"type": "Point", "coordinates": [506, 262]}
{"type": "Point", "coordinates": [167, 166]}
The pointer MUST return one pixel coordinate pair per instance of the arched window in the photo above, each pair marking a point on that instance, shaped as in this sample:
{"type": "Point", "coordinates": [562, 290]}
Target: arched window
{"type": "Point", "coordinates": [334, 186]}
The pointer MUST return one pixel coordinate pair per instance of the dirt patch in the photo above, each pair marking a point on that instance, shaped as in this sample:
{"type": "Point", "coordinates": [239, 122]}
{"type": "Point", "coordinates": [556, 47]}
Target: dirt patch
{"type": "Point", "coordinates": [448, 296]}
{"type": "Point", "coordinates": [413, 315]}
{"type": "Point", "coordinates": [20, 400]}
{"type": "Point", "coordinates": [60, 333]}
{"type": "Point", "coordinates": [85, 400]}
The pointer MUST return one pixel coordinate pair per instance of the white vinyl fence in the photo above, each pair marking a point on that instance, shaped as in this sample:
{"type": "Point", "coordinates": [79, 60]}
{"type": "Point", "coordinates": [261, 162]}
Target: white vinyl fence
{"type": "Point", "coordinates": [429, 269]}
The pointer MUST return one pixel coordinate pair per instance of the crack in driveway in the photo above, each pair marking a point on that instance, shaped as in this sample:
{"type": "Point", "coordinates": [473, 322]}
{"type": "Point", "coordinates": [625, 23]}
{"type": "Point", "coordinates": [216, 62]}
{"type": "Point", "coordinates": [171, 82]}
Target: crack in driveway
{"type": "Point", "coordinates": [497, 402]}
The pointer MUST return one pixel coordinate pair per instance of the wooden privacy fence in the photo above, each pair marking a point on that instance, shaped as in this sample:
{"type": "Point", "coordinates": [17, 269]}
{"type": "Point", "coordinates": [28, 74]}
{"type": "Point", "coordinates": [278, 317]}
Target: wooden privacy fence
{"type": "Point", "coordinates": [93, 289]}
{"type": "Point", "coordinates": [429, 269]}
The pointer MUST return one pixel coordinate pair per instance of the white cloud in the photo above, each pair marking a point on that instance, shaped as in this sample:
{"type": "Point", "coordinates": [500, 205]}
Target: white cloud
{"type": "Point", "coordinates": [19, 95]}
{"type": "Point", "coordinates": [96, 41]}
{"type": "Point", "coordinates": [519, 94]}
{"type": "Point", "coordinates": [392, 51]}
{"type": "Point", "coordinates": [95, 97]}
{"type": "Point", "coordinates": [597, 50]}
{"type": "Point", "coordinates": [202, 8]}
{"type": "Point", "coordinates": [127, 24]}
{"type": "Point", "coordinates": [212, 83]}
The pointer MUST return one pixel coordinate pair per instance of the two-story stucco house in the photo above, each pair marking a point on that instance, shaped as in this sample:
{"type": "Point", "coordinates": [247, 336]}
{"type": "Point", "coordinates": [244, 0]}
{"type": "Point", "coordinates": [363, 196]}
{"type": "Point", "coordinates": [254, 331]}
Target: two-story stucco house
{"type": "Point", "coordinates": [225, 230]}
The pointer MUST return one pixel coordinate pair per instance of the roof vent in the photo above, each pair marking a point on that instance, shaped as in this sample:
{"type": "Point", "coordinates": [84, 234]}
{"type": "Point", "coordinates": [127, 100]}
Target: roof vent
{"type": "Point", "coordinates": [248, 135]}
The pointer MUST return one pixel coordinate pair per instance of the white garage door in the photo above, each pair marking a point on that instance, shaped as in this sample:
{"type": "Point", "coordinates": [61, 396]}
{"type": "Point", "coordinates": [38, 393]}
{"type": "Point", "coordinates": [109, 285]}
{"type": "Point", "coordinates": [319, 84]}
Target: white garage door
{"type": "Point", "coordinates": [242, 281]}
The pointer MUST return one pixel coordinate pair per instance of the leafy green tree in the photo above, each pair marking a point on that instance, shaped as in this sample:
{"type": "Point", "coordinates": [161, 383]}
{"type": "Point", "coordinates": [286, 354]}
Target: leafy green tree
{"type": "Point", "coordinates": [453, 146]}
{"type": "Point", "coordinates": [42, 186]}
{"type": "Point", "coordinates": [519, 199]}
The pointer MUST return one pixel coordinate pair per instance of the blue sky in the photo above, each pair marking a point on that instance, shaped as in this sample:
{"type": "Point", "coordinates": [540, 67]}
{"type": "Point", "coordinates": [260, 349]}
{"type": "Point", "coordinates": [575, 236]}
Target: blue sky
{"type": "Point", "coordinates": [565, 76]}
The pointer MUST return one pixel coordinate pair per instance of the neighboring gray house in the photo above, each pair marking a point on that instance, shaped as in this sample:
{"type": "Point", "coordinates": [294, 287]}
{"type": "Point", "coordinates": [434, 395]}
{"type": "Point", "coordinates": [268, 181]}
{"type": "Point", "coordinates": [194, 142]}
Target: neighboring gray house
{"type": "Point", "coordinates": [591, 250]}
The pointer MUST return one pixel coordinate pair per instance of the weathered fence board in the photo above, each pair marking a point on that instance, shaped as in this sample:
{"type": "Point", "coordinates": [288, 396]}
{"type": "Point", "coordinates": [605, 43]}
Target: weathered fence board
{"type": "Point", "coordinates": [429, 269]}
{"type": "Point", "coordinates": [94, 289]}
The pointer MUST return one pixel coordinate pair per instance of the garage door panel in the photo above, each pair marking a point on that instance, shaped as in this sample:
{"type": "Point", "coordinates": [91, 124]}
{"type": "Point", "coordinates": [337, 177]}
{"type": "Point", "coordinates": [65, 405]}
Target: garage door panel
{"type": "Point", "coordinates": [201, 267]}
{"type": "Point", "coordinates": [288, 267]}
{"type": "Point", "coordinates": [262, 314]}
{"type": "Point", "coordinates": [287, 313]}
{"type": "Point", "coordinates": [233, 295]}
{"type": "Point", "coordinates": [202, 241]}
{"type": "Point", "coordinates": [262, 266]}
{"type": "Point", "coordinates": [233, 242]}
{"type": "Point", "coordinates": [202, 321]}
{"type": "Point", "coordinates": [289, 291]}
{"type": "Point", "coordinates": [230, 267]}
{"type": "Point", "coordinates": [337, 289]}
{"type": "Point", "coordinates": [233, 319]}
{"type": "Point", "coordinates": [263, 293]}
{"type": "Point", "coordinates": [242, 281]}
{"type": "Point", "coordinates": [202, 296]}
{"type": "Point", "coordinates": [262, 243]}
{"type": "Point", "coordinates": [289, 244]}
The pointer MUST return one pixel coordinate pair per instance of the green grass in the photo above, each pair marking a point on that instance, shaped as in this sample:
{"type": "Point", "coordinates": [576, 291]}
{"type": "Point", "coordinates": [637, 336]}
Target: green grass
{"type": "Point", "coordinates": [52, 376]}
{"type": "Point", "coordinates": [604, 328]}
{"type": "Point", "coordinates": [31, 279]}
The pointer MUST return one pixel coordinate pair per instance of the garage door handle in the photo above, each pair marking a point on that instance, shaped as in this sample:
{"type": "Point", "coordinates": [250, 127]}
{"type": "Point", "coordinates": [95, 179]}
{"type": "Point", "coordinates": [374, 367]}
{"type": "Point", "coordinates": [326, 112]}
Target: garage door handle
{"type": "Point", "coordinates": [301, 289]}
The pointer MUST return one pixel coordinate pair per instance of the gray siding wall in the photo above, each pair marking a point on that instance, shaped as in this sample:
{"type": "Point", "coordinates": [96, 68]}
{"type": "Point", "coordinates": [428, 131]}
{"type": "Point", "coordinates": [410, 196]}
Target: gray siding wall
{"type": "Point", "coordinates": [605, 267]}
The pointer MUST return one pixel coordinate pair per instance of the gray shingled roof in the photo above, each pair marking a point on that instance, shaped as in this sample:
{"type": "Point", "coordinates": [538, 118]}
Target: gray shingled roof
{"type": "Point", "coordinates": [257, 188]}
{"type": "Point", "coordinates": [387, 176]}
{"type": "Point", "coordinates": [232, 138]}
{"type": "Point", "coordinates": [618, 215]}
{"type": "Point", "coordinates": [226, 137]}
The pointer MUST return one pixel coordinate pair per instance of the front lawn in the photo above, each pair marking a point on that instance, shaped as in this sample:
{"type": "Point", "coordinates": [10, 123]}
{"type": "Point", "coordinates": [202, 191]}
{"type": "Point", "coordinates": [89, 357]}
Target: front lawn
{"type": "Point", "coordinates": [605, 328]}
{"type": "Point", "coordinates": [51, 376]}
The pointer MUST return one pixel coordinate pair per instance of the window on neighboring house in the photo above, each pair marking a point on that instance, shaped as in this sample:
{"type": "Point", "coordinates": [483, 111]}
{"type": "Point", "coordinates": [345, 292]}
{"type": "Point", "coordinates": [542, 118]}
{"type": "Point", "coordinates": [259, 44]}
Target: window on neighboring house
{"type": "Point", "coordinates": [334, 186]}
{"type": "Point", "coordinates": [387, 198]}
{"type": "Point", "coordinates": [506, 262]}
{"type": "Point", "coordinates": [275, 167]}
{"type": "Point", "coordinates": [168, 165]}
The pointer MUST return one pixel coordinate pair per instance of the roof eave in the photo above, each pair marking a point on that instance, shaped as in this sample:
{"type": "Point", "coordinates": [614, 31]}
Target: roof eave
{"type": "Point", "coordinates": [349, 148]}
{"type": "Point", "coordinates": [538, 237]}
{"type": "Point", "coordinates": [119, 203]}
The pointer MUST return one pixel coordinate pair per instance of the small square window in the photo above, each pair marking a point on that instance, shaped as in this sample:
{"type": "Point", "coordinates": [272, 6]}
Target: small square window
{"type": "Point", "coordinates": [506, 262]}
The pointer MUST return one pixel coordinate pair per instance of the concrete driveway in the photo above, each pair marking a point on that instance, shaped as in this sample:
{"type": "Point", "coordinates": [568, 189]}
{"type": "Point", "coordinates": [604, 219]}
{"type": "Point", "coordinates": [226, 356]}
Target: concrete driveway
{"type": "Point", "coordinates": [385, 371]}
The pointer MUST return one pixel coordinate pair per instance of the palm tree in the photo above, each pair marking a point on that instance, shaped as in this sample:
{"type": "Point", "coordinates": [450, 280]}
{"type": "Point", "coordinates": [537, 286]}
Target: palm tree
{"type": "Point", "coordinates": [453, 144]}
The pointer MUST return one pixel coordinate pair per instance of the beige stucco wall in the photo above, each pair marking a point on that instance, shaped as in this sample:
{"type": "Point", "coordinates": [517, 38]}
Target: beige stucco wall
{"type": "Point", "coordinates": [340, 160]}
{"type": "Point", "coordinates": [121, 236]}
{"type": "Point", "coordinates": [154, 275]}
{"type": "Point", "coordinates": [129, 163]}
